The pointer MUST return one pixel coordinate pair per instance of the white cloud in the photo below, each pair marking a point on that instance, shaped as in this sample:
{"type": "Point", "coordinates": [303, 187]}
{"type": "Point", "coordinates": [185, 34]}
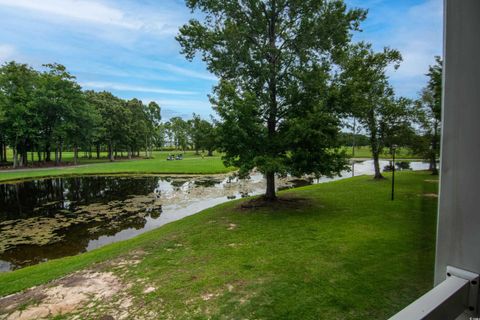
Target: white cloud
{"type": "Point", "coordinates": [187, 72]}
{"type": "Point", "coordinates": [6, 52]}
{"type": "Point", "coordinates": [184, 104]}
{"type": "Point", "coordinates": [164, 22]}
{"type": "Point", "coordinates": [128, 87]}
{"type": "Point", "coordinates": [90, 11]}
{"type": "Point", "coordinates": [420, 38]}
{"type": "Point", "coordinates": [416, 31]}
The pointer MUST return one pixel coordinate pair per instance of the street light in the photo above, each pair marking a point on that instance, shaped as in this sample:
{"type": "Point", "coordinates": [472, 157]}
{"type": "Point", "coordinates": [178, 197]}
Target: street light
{"type": "Point", "coordinates": [394, 147]}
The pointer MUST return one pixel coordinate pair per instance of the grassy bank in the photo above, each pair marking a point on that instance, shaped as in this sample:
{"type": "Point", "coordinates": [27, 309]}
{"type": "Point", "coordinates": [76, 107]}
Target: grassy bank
{"type": "Point", "coordinates": [344, 251]}
{"type": "Point", "coordinates": [366, 153]}
{"type": "Point", "coordinates": [191, 164]}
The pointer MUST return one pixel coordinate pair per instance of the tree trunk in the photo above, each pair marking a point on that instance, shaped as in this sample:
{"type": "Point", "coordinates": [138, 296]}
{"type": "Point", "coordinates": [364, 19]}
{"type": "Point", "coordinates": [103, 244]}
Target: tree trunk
{"type": "Point", "coordinates": [56, 155]}
{"type": "Point", "coordinates": [98, 150]}
{"type": "Point", "coordinates": [210, 153]}
{"type": "Point", "coordinates": [129, 151]}
{"type": "Point", "coordinates": [374, 144]}
{"type": "Point", "coordinates": [433, 154]}
{"type": "Point", "coordinates": [61, 152]}
{"type": "Point", "coordinates": [47, 152]}
{"type": "Point", "coordinates": [25, 158]}
{"type": "Point", "coordinates": [39, 154]}
{"type": "Point", "coordinates": [376, 165]}
{"type": "Point", "coordinates": [4, 151]}
{"type": "Point", "coordinates": [146, 147]}
{"type": "Point", "coordinates": [23, 154]}
{"type": "Point", "coordinates": [110, 152]}
{"type": "Point", "coordinates": [15, 157]}
{"type": "Point", "coordinates": [270, 194]}
{"type": "Point", "coordinates": [75, 155]}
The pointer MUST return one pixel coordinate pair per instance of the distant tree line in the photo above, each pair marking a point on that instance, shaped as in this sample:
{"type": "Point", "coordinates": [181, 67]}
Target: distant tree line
{"type": "Point", "coordinates": [196, 134]}
{"type": "Point", "coordinates": [45, 112]}
{"type": "Point", "coordinates": [350, 139]}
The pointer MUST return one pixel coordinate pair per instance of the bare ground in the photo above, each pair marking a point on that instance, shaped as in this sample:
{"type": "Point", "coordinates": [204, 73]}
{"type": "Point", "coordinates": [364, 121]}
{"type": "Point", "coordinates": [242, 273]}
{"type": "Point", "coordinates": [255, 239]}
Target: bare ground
{"type": "Point", "coordinates": [88, 294]}
{"type": "Point", "coordinates": [280, 203]}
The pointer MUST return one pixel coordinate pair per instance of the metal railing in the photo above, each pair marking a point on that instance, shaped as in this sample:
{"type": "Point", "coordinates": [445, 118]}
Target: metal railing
{"type": "Point", "coordinates": [455, 296]}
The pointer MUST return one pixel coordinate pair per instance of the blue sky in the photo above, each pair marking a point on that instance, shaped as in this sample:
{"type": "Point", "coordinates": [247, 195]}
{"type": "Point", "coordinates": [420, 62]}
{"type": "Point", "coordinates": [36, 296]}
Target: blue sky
{"type": "Point", "coordinates": [128, 47]}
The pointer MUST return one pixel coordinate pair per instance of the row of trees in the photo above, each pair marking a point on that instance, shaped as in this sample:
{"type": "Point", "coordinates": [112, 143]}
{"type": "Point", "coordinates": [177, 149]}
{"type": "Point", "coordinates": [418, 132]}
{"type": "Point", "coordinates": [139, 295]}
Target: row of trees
{"type": "Point", "coordinates": [289, 75]}
{"type": "Point", "coordinates": [47, 112]}
{"type": "Point", "coordinates": [197, 134]}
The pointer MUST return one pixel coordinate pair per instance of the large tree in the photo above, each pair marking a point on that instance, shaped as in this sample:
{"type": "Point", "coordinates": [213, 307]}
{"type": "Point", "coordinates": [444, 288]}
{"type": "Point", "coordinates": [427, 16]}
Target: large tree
{"type": "Point", "coordinates": [203, 135]}
{"type": "Point", "coordinates": [274, 62]}
{"type": "Point", "coordinates": [115, 117]}
{"type": "Point", "coordinates": [367, 95]}
{"type": "Point", "coordinates": [429, 108]}
{"type": "Point", "coordinates": [20, 121]}
{"type": "Point", "coordinates": [153, 117]}
{"type": "Point", "coordinates": [60, 105]}
{"type": "Point", "coordinates": [180, 132]}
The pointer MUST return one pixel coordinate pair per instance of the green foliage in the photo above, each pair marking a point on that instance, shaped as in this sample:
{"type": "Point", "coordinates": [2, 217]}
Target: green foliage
{"type": "Point", "coordinates": [348, 138]}
{"type": "Point", "coordinates": [429, 116]}
{"type": "Point", "coordinates": [17, 88]}
{"type": "Point", "coordinates": [203, 134]}
{"type": "Point", "coordinates": [66, 118]}
{"type": "Point", "coordinates": [274, 60]}
{"type": "Point", "coordinates": [178, 131]}
{"type": "Point", "coordinates": [364, 93]}
{"type": "Point", "coordinates": [48, 111]}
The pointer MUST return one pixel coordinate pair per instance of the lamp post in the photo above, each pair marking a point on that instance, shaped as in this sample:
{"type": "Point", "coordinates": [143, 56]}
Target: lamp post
{"type": "Point", "coordinates": [394, 148]}
{"type": "Point", "coordinates": [353, 145]}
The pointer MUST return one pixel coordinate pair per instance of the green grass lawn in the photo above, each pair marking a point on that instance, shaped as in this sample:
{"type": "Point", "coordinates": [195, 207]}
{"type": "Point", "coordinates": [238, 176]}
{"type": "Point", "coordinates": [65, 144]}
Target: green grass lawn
{"type": "Point", "coordinates": [191, 164]}
{"type": "Point", "coordinates": [344, 252]}
{"type": "Point", "coordinates": [366, 153]}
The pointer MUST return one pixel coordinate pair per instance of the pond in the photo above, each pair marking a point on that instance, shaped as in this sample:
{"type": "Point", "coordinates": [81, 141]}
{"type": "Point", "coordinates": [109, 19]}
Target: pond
{"type": "Point", "coordinates": [52, 218]}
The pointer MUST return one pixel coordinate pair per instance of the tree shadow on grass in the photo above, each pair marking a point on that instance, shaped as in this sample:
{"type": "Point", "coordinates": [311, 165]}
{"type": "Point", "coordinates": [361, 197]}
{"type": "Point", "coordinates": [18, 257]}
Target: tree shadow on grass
{"type": "Point", "coordinates": [283, 202]}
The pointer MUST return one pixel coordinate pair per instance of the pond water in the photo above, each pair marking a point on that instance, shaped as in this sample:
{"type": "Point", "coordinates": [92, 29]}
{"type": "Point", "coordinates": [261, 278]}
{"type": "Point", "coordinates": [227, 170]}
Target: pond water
{"type": "Point", "coordinates": [53, 218]}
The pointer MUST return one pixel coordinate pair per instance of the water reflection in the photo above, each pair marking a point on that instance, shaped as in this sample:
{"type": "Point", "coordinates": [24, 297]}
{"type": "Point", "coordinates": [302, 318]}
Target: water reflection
{"type": "Point", "coordinates": [52, 218]}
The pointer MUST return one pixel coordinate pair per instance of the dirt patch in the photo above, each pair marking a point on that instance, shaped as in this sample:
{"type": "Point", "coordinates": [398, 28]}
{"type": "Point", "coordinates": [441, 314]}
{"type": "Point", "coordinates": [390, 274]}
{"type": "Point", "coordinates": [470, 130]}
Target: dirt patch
{"type": "Point", "coordinates": [280, 203]}
{"type": "Point", "coordinates": [66, 295]}
{"type": "Point", "coordinates": [120, 264]}
{"type": "Point", "coordinates": [208, 296]}
{"type": "Point", "coordinates": [430, 195]}
{"type": "Point", "coordinates": [8, 303]}
{"type": "Point", "coordinates": [149, 290]}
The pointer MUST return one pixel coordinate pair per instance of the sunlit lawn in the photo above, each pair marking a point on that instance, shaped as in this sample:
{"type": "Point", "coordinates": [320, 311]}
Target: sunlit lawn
{"type": "Point", "coordinates": [191, 164]}
{"type": "Point", "coordinates": [365, 153]}
{"type": "Point", "coordinates": [344, 252]}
